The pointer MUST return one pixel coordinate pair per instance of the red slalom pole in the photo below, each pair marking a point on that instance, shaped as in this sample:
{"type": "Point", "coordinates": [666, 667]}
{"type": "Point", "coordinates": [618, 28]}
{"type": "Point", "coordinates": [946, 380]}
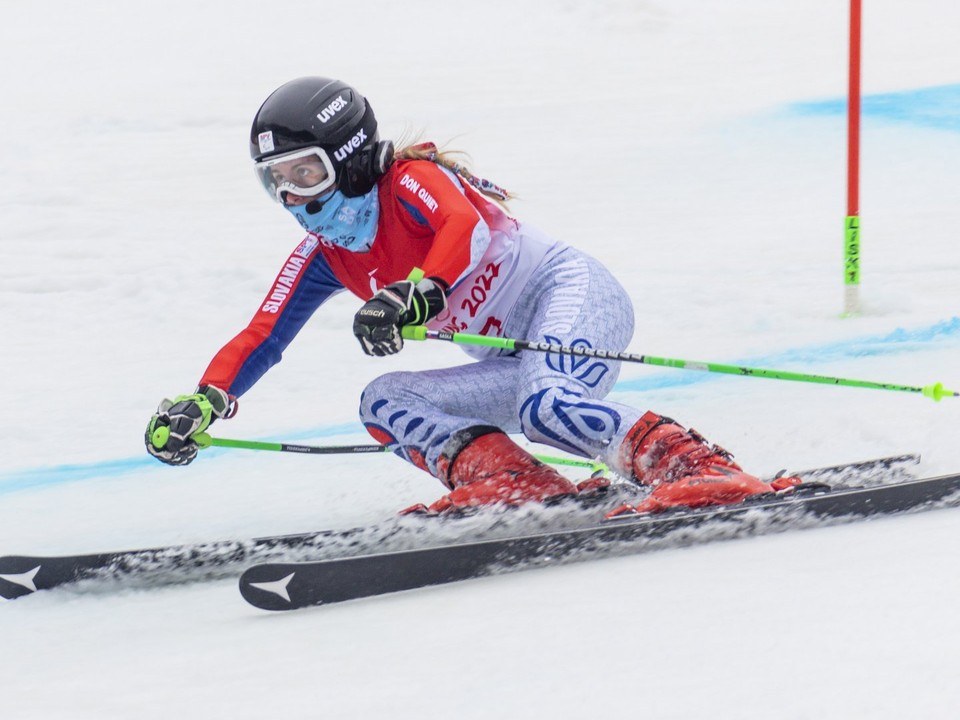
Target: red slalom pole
{"type": "Point", "coordinates": [853, 112]}
{"type": "Point", "coordinates": [851, 265]}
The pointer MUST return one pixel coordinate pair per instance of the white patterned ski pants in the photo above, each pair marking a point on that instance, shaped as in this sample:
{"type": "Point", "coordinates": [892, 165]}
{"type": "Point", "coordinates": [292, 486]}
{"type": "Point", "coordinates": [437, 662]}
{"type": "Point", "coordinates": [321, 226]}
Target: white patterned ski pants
{"type": "Point", "coordinates": [553, 399]}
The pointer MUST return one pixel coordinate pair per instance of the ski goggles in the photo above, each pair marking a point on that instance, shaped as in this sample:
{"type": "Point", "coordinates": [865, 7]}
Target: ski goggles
{"type": "Point", "coordinates": [305, 172]}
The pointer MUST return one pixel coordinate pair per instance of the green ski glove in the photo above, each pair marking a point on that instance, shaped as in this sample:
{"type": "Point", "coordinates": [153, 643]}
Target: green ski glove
{"type": "Point", "coordinates": [176, 431]}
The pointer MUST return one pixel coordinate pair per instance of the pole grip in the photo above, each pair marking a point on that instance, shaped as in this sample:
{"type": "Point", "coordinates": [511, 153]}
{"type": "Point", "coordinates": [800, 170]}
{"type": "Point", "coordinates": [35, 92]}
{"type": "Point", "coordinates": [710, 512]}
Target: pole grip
{"type": "Point", "coordinates": [413, 332]}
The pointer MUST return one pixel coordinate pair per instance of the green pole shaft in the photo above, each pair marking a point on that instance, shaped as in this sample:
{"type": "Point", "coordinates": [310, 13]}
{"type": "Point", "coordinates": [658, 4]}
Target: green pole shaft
{"type": "Point", "coordinates": [935, 391]}
{"type": "Point", "coordinates": [205, 440]}
{"type": "Point", "coordinates": [292, 447]}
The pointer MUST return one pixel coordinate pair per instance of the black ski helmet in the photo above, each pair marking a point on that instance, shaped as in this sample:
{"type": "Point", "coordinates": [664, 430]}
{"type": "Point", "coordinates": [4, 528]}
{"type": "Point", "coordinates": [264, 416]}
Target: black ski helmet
{"type": "Point", "coordinates": [329, 115]}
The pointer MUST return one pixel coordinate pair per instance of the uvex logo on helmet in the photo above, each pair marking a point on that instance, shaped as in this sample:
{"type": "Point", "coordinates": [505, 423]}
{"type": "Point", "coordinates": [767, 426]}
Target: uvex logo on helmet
{"type": "Point", "coordinates": [357, 141]}
{"type": "Point", "coordinates": [332, 109]}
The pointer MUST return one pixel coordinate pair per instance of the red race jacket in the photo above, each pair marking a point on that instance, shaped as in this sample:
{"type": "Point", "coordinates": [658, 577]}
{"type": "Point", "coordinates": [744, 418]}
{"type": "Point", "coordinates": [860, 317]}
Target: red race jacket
{"type": "Point", "coordinates": [428, 219]}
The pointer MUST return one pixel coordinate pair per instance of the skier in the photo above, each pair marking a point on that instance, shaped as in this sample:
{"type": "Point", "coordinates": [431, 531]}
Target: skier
{"type": "Point", "coordinates": [421, 240]}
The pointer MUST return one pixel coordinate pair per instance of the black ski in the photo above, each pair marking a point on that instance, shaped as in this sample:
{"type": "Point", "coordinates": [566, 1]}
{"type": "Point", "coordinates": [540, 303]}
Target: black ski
{"type": "Point", "coordinates": [23, 574]}
{"type": "Point", "coordinates": [286, 586]}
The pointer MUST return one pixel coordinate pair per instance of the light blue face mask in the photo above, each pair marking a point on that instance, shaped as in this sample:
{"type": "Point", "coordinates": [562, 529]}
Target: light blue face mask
{"type": "Point", "coordinates": [350, 223]}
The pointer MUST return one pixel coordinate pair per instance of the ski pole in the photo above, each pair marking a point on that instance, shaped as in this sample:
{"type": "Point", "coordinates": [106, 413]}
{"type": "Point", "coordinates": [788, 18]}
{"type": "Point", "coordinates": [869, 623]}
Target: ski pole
{"type": "Point", "coordinates": [935, 391]}
{"type": "Point", "coordinates": [204, 440]}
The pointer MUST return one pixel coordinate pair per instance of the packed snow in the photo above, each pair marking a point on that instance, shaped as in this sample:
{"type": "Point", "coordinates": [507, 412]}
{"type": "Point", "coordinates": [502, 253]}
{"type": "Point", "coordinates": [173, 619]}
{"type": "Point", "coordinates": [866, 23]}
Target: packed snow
{"type": "Point", "coordinates": [697, 148]}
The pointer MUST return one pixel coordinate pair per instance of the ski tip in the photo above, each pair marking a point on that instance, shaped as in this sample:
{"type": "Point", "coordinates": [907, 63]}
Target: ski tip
{"type": "Point", "coordinates": [267, 587]}
{"type": "Point", "coordinates": [18, 577]}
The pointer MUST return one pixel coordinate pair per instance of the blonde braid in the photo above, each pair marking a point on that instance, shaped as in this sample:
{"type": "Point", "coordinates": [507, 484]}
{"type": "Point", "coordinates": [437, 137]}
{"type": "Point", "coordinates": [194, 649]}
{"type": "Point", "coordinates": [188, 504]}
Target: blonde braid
{"type": "Point", "coordinates": [428, 151]}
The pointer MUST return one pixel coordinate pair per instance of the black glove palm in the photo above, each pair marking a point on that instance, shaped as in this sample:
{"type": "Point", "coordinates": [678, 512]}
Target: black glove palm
{"type": "Point", "coordinates": [377, 324]}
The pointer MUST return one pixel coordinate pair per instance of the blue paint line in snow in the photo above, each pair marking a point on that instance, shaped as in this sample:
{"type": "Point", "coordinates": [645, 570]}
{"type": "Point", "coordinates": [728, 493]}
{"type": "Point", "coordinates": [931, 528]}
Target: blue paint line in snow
{"type": "Point", "coordinates": [34, 478]}
{"type": "Point", "coordinates": [933, 107]}
{"type": "Point", "coordinates": [896, 342]}
{"type": "Point", "coordinates": [899, 341]}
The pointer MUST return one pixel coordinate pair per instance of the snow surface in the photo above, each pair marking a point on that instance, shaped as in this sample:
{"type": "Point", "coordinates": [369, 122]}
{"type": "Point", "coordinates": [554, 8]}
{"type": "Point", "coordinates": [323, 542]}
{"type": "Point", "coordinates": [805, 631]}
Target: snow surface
{"type": "Point", "coordinates": [696, 147]}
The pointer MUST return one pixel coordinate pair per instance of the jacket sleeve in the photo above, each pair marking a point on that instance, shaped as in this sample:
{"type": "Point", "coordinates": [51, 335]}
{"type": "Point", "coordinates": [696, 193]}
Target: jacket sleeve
{"type": "Point", "coordinates": [305, 282]}
{"type": "Point", "coordinates": [434, 197]}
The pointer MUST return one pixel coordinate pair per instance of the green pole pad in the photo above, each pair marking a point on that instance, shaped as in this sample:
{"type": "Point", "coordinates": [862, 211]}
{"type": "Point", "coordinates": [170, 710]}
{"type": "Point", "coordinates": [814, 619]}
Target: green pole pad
{"type": "Point", "coordinates": [851, 250]}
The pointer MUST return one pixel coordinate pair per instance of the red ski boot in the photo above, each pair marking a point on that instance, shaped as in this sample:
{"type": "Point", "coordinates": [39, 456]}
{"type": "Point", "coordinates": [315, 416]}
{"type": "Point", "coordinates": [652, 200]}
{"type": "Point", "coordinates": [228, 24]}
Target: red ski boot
{"type": "Point", "coordinates": [482, 466]}
{"type": "Point", "coordinates": [682, 468]}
